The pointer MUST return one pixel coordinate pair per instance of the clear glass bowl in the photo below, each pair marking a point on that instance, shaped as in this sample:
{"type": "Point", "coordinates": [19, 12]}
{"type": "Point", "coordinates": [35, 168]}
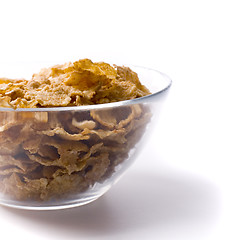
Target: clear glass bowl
{"type": "Point", "coordinates": [54, 158]}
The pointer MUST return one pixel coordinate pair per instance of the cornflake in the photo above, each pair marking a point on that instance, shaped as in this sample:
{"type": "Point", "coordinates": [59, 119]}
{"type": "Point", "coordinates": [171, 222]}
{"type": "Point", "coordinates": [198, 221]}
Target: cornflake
{"type": "Point", "coordinates": [48, 155]}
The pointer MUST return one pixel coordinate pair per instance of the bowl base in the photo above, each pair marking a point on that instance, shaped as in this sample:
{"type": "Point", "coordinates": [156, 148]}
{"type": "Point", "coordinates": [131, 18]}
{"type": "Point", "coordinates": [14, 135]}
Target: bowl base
{"type": "Point", "coordinates": [84, 199]}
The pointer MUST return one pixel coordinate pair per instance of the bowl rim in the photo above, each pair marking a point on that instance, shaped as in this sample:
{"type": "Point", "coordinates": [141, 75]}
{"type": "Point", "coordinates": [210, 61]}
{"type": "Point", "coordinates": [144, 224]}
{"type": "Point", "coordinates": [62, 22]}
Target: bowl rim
{"type": "Point", "coordinates": [143, 99]}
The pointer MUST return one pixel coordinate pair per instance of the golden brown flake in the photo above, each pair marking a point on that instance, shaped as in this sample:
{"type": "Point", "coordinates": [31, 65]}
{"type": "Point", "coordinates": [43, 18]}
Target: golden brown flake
{"type": "Point", "coordinates": [80, 83]}
{"type": "Point", "coordinates": [49, 154]}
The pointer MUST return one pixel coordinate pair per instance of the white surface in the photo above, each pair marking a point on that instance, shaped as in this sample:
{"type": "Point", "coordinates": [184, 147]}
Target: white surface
{"type": "Point", "coordinates": [185, 185]}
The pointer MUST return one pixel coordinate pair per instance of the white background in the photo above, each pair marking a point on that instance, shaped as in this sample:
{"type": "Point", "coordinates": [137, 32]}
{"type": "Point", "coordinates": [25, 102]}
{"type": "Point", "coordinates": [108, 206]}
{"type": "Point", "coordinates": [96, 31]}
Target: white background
{"type": "Point", "coordinates": [185, 185]}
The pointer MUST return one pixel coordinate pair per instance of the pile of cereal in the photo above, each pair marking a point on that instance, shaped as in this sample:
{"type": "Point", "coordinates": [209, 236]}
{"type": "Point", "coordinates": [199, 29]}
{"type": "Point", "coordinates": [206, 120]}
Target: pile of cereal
{"type": "Point", "coordinates": [72, 84]}
{"type": "Point", "coordinates": [54, 154]}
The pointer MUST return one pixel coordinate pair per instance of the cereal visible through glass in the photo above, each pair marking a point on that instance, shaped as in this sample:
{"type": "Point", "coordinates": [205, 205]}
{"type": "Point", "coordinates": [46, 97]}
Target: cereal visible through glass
{"type": "Point", "coordinates": [49, 155]}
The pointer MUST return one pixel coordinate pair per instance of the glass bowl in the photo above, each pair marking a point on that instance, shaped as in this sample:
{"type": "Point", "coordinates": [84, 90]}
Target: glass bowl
{"type": "Point", "coordinates": [55, 158]}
